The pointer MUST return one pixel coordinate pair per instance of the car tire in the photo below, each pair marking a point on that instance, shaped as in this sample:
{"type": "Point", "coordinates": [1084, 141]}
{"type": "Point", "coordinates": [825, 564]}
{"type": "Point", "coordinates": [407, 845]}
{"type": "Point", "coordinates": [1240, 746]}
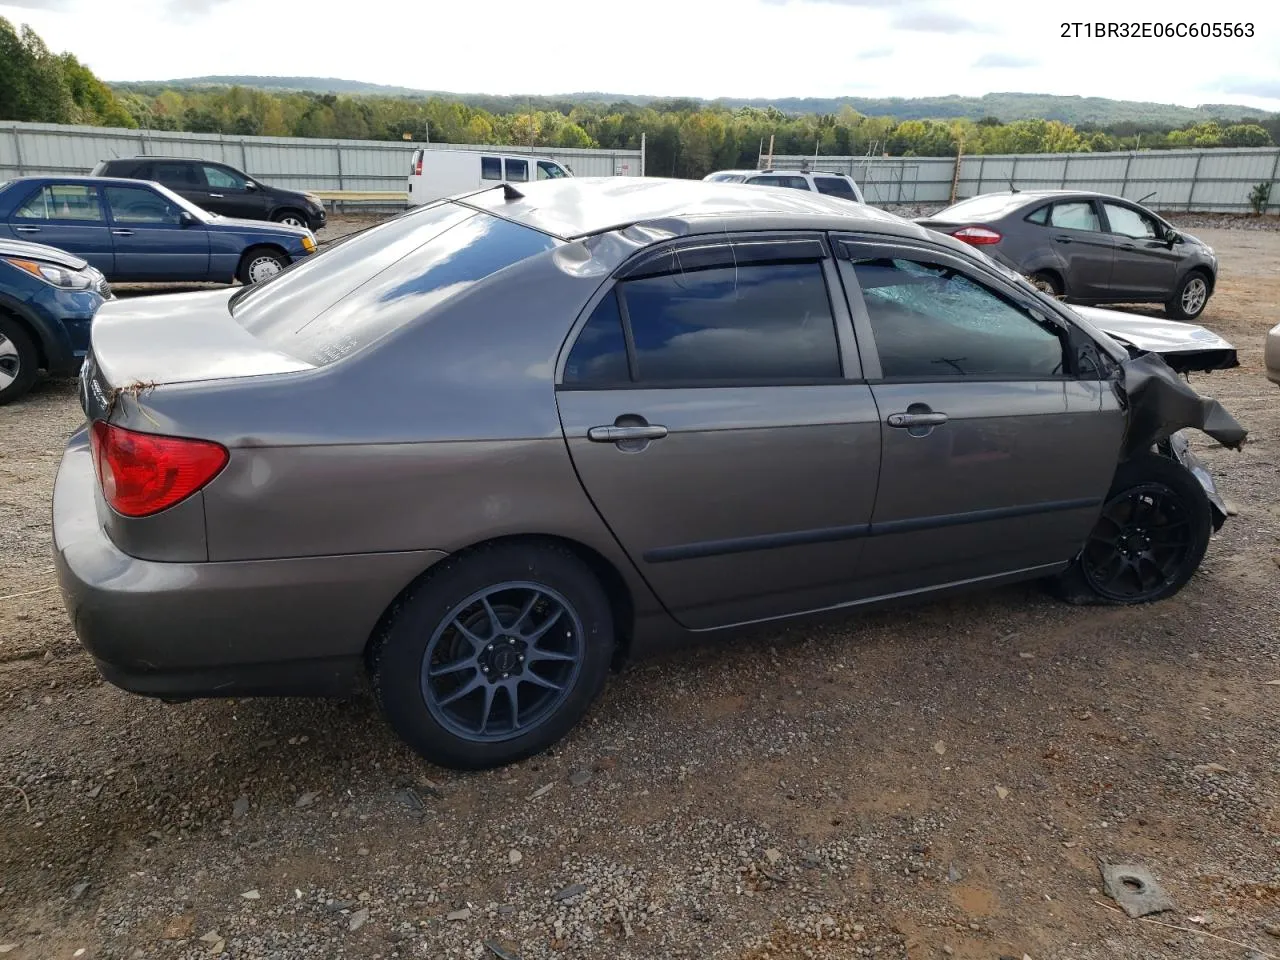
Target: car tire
{"type": "Point", "coordinates": [260, 263]}
{"type": "Point", "coordinates": [291, 217]}
{"type": "Point", "coordinates": [1191, 297]}
{"type": "Point", "coordinates": [525, 628]}
{"type": "Point", "coordinates": [1047, 282]}
{"type": "Point", "coordinates": [1149, 539]}
{"type": "Point", "coordinates": [19, 360]}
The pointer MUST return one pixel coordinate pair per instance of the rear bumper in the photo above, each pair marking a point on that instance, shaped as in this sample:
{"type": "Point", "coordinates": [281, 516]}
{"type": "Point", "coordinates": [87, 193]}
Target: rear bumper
{"type": "Point", "coordinates": [296, 626]}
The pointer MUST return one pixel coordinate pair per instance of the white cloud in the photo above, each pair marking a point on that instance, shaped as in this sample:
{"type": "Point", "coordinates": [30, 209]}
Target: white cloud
{"type": "Point", "coordinates": [705, 48]}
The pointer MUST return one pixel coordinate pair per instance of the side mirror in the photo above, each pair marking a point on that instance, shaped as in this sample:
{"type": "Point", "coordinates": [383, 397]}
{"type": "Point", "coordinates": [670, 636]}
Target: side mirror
{"type": "Point", "coordinates": [250, 185]}
{"type": "Point", "coordinates": [186, 218]}
{"type": "Point", "coordinates": [1172, 236]}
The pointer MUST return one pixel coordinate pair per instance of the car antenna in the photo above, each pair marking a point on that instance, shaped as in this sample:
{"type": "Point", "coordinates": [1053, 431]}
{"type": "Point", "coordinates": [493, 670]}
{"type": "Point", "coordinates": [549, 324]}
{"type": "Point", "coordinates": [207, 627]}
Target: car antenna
{"type": "Point", "coordinates": [511, 193]}
{"type": "Point", "coordinates": [1012, 188]}
{"type": "Point", "coordinates": [1149, 196]}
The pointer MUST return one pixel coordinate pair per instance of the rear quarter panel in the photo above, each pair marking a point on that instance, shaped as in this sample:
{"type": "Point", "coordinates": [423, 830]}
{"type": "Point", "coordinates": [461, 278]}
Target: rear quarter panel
{"type": "Point", "coordinates": [438, 437]}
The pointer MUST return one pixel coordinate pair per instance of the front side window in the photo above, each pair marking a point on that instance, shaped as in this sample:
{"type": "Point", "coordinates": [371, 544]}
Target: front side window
{"type": "Point", "coordinates": [1074, 215]}
{"type": "Point", "coordinates": [220, 178]}
{"type": "Point", "coordinates": [1128, 222]}
{"type": "Point", "coordinates": [62, 201]}
{"type": "Point", "coordinates": [491, 168]}
{"type": "Point", "coordinates": [549, 171]}
{"type": "Point", "coordinates": [176, 174]}
{"type": "Point", "coordinates": [835, 187]}
{"type": "Point", "coordinates": [931, 322]}
{"type": "Point", "coordinates": [140, 205]}
{"type": "Point", "coordinates": [517, 170]}
{"type": "Point", "coordinates": [753, 323]}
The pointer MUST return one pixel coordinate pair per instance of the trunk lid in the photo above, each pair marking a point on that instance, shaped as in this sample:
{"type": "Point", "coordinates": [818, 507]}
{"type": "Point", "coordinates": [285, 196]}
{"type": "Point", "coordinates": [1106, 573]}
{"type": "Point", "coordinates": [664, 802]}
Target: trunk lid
{"type": "Point", "coordinates": [147, 342]}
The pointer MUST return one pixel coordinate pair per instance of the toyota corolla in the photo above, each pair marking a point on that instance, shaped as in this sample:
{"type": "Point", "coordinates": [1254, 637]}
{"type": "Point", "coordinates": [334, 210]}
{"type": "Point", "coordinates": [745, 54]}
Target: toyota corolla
{"type": "Point", "coordinates": [478, 454]}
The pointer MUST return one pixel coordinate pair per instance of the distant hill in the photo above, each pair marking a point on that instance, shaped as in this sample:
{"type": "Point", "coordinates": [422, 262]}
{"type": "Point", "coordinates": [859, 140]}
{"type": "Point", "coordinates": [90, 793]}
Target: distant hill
{"type": "Point", "coordinates": [1006, 107]}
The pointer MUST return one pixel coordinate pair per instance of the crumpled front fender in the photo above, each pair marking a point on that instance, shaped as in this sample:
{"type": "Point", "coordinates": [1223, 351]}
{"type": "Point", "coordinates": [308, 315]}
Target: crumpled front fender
{"type": "Point", "coordinates": [1159, 404]}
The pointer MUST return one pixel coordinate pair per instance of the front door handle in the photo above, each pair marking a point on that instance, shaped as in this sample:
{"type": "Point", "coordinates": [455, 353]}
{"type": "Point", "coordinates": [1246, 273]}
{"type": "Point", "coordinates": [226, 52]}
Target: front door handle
{"type": "Point", "coordinates": [1062, 238]}
{"type": "Point", "coordinates": [909, 420]}
{"type": "Point", "coordinates": [27, 229]}
{"type": "Point", "coordinates": [617, 434]}
{"type": "Point", "coordinates": [122, 233]}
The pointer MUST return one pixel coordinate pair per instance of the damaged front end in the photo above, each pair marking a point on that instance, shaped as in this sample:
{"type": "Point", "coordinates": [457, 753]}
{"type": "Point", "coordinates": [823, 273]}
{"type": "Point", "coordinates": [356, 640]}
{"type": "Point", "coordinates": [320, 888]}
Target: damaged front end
{"type": "Point", "coordinates": [1159, 406]}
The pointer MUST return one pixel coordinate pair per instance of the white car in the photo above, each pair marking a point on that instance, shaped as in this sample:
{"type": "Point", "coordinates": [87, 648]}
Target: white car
{"type": "Point", "coordinates": [1272, 354]}
{"type": "Point", "coordinates": [435, 174]}
{"type": "Point", "coordinates": [832, 184]}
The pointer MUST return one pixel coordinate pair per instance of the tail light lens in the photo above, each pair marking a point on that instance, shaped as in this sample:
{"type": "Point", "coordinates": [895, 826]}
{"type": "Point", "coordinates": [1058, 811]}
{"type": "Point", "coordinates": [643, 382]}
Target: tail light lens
{"type": "Point", "coordinates": [143, 473]}
{"type": "Point", "coordinates": [417, 167]}
{"type": "Point", "coordinates": [978, 236]}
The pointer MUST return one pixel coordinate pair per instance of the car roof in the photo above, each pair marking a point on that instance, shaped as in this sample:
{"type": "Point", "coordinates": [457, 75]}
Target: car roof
{"type": "Point", "coordinates": [571, 208]}
{"type": "Point", "coordinates": [752, 173]}
{"type": "Point", "coordinates": [1031, 196]}
{"type": "Point", "coordinates": [74, 178]}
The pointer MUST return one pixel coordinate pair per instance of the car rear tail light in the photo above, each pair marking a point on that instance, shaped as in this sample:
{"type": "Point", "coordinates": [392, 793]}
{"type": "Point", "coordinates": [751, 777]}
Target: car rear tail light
{"type": "Point", "coordinates": [978, 236]}
{"type": "Point", "coordinates": [144, 473]}
{"type": "Point", "coordinates": [417, 167]}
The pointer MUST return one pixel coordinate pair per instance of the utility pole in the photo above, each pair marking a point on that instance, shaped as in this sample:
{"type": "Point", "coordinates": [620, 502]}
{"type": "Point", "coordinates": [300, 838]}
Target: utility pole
{"type": "Point", "coordinates": [955, 174]}
{"type": "Point", "coordinates": [642, 152]}
{"type": "Point", "coordinates": [769, 165]}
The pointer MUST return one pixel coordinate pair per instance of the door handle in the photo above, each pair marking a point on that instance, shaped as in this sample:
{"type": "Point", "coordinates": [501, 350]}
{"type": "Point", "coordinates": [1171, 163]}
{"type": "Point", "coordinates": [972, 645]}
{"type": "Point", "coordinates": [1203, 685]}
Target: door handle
{"type": "Point", "coordinates": [1062, 239]}
{"type": "Point", "coordinates": [27, 229]}
{"type": "Point", "coordinates": [122, 233]}
{"type": "Point", "coordinates": [917, 419]}
{"type": "Point", "coordinates": [216, 196]}
{"type": "Point", "coordinates": [616, 434]}
{"type": "Point", "coordinates": [1127, 246]}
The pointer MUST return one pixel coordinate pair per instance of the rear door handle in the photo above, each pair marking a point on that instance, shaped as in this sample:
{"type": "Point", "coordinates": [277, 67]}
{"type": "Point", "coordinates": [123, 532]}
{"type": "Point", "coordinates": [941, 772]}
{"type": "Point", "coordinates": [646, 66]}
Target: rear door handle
{"type": "Point", "coordinates": [216, 196]}
{"type": "Point", "coordinates": [1062, 239]}
{"type": "Point", "coordinates": [917, 419]}
{"type": "Point", "coordinates": [122, 233]}
{"type": "Point", "coordinates": [616, 434]}
{"type": "Point", "coordinates": [27, 229]}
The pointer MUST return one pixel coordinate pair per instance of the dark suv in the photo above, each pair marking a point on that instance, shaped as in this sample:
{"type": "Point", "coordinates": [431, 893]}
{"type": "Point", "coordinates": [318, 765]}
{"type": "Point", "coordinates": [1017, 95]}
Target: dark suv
{"type": "Point", "coordinates": [220, 189]}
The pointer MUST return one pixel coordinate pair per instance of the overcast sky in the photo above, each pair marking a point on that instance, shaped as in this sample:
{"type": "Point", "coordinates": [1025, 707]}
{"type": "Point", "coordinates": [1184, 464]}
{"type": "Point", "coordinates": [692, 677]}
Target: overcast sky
{"type": "Point", "coordinates": [703, 48]}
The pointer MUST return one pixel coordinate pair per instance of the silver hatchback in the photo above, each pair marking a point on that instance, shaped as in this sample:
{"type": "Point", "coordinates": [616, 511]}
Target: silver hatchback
{"type": "Point", "coordinates": [478, 454]}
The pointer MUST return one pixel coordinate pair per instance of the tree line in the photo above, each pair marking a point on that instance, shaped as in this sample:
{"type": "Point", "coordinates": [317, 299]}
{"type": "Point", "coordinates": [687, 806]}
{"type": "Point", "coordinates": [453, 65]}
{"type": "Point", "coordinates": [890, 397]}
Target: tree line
{"type": "Point", "coordinates": [684, 138]}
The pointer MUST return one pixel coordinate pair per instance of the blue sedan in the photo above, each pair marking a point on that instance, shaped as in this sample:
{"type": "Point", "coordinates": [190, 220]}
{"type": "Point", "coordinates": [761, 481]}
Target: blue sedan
{"type": "Point", "coordinates": [138, 231]}
{"type": "Point", "coordinates": [48, 299]}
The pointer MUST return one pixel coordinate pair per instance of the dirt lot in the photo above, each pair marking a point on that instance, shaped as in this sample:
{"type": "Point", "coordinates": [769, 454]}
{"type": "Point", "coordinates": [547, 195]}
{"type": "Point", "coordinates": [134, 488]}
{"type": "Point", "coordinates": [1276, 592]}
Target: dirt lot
{"type": "Point", "coordinates": [919, 783]}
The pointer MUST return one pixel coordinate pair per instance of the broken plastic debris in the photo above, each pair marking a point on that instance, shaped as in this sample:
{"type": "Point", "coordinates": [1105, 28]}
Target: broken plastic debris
{"type": "Point", "coordinates": [1135, 889]}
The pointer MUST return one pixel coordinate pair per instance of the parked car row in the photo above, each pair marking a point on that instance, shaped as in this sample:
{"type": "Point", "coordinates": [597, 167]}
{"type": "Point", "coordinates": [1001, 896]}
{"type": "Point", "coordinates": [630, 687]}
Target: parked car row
{"type": "Point", "coordinates": [724, 406]}
{"type": "Point", "coordinates": [1087, 247]}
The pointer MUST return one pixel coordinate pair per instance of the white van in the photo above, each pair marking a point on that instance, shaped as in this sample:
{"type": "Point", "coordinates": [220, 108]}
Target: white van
{"type": "Point", "coordinates": [832, 184]}
{"type": "Point", "coordinates": [442, 173]}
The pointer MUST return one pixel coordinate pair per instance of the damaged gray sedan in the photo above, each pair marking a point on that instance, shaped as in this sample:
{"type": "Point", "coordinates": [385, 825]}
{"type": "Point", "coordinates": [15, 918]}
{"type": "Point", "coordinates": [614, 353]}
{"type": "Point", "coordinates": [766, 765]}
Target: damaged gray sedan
{"type": "Point", "coordinates": [479, 454]}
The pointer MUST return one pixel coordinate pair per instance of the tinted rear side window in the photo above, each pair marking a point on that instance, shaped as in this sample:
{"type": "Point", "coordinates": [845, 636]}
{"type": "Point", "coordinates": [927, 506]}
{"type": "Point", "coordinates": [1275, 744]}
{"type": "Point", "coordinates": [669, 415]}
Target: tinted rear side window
{"type": "Point", "coordinates": [750, 323]}
{"type": "Point", "coordinates": [176, 174]}
{"type": "Point", "coordinates": [491, 168]}
{"type": "Point", "coordinates": [340, 301]}
{"type": "Point", "coordinates": [835, 187]}
{"type": "Point", "coordinates": [599, 355]}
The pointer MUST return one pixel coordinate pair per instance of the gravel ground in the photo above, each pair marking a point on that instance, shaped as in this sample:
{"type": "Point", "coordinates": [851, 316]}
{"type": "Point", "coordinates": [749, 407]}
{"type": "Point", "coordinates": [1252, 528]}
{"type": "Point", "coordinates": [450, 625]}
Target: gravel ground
{"type": "Point", "coordinates": [938, 780]}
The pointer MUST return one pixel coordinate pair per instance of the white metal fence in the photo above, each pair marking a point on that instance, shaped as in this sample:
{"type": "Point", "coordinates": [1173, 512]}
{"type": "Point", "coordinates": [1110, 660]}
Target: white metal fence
{"type": "Point", "coordinates": [1171, 180]}
{"type": "Point", "coordinates": [1217, 181]}
{"type": "Point", "coordinates": [291, 162]}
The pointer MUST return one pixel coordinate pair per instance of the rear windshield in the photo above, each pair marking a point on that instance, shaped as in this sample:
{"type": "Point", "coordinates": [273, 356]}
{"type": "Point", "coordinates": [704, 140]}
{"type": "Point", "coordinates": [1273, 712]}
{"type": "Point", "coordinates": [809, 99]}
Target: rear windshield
{"type": "Point", "coordinates": [985, 207]}
{"type": "Point", "coordinates": [345, 298]}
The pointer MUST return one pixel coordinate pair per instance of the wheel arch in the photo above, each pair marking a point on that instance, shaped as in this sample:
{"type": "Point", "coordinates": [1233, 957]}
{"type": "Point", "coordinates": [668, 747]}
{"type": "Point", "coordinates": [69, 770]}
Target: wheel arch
{"type": "Point", "coordinates": [621, 601]}
{"type": "Point", "coordinates": [33, 330]}
{"type": "Point", "coordinates": [1202, 269]}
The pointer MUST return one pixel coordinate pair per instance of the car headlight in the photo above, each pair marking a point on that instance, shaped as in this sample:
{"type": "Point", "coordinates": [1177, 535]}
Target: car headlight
{"type": "Point", "coordinates": [314, 200]}
{"type": "Point", "coordinates": [60, 277]}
